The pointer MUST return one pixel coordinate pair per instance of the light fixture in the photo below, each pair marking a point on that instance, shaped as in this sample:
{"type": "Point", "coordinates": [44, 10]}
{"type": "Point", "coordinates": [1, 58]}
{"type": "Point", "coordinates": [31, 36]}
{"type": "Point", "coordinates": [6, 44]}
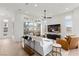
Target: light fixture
{"type": "Point", "coordinates": [45, 15]}
{"type": "Point", "coordinates": [66, 8]}
{"type": "Point", "coordinates": [35, 5]}
{"type": "Point", "coordinates": [5, 20]}
{"type": "Point", "coordinates": [26, 3]}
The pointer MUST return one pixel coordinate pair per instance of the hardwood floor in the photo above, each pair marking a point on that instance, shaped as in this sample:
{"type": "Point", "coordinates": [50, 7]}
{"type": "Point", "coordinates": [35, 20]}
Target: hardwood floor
{"type": "Point", "coordinates": [11, 48]}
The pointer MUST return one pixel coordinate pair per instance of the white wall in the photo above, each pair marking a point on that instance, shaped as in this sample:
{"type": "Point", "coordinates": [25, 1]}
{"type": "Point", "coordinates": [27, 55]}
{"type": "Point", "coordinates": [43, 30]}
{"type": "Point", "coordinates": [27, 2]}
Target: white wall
{"type": "Point", "coordinates": [75, 21]}
{"type": "Point", "coordinates": [58, 19]}
{"type": "Point", "coordinates": [53, 20]}
{"type": "Point", "coordinates": [6, 14]}
{"type": "Point", "coordinates": [18, 26]}
{"type": "Point", "coordinates": [61, 19]}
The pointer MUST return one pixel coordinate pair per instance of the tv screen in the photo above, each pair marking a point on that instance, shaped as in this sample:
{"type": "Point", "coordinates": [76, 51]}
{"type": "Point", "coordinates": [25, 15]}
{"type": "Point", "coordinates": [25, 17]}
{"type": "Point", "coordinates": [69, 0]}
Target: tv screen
{"type": "Point", "coordinates": [54, 28]}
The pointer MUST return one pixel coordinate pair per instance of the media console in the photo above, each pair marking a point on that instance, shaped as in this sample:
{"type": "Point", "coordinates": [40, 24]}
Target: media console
{"type": "Point", "coordinates": [53, 36]}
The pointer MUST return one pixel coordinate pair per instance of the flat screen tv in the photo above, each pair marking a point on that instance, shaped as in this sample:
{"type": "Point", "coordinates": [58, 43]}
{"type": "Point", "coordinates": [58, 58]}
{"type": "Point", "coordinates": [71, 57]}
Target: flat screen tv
{"type": "Point", "coordinates": [54, 28]}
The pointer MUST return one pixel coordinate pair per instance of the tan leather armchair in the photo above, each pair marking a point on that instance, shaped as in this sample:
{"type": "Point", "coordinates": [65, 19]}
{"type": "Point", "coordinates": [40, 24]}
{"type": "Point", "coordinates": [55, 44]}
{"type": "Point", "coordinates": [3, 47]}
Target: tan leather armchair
{"type": "Point", "coordinates": [69, 43]}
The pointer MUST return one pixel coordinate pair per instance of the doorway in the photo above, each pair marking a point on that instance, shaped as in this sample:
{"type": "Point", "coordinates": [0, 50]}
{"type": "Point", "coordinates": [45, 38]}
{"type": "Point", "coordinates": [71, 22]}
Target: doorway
{"type": "Point", "coordinates": [6, 28]}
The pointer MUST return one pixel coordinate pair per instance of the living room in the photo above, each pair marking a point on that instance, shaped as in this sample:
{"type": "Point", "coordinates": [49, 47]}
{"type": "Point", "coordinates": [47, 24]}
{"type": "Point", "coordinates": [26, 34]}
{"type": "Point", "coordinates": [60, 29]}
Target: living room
{"type": "Point", "coordinates": [58, 26]}
{"type": "Point", "coordinates": [47, 29]}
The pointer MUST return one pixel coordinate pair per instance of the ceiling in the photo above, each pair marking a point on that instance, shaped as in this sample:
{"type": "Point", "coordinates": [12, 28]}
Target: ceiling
{"type": "Point", "coordinates": [37, 9]}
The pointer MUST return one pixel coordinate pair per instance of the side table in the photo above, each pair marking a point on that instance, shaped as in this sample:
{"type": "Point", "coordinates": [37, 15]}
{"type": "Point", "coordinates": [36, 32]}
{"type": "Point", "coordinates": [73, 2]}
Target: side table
{"type": "Point", "coordinates": [56, 46]}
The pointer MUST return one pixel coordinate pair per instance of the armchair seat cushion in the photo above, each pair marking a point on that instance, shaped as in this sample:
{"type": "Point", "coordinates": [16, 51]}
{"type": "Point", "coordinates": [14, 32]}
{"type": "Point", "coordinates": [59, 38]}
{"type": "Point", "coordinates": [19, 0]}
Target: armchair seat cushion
{"type": "Point", "coordinates": [63, 43]}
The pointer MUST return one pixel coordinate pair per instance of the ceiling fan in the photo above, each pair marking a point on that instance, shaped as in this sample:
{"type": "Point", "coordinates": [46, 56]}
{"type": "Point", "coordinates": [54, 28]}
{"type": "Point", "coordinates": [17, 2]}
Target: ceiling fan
{"type": "Point", "coordinates": [45, 15]}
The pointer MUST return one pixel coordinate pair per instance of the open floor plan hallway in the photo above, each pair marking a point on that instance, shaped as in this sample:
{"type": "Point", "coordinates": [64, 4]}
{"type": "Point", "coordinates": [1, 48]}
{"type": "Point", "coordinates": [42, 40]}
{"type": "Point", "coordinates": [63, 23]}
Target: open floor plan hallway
{"type": "Point", "coordinates": [11, 48]}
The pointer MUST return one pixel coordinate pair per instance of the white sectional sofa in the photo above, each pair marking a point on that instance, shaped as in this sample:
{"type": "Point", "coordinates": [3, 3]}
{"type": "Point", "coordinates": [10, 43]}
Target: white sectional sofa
{"type": "Point", "coordinates": [42, 45]}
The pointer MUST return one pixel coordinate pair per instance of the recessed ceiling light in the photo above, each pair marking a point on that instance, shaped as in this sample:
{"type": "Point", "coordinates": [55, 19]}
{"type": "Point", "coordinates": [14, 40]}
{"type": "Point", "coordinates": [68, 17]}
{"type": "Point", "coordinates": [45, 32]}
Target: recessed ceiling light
{"type": "Point", "coordinates": [66, 8]}
{"type": "Point", "coordinates": [35, 5]}
{"type": "Point", "coordinates": [5, 20]}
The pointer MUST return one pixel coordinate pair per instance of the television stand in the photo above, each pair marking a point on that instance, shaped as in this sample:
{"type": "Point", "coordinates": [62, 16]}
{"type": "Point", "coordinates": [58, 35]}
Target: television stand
{"type": "Point", "coordinates": [53, 36]}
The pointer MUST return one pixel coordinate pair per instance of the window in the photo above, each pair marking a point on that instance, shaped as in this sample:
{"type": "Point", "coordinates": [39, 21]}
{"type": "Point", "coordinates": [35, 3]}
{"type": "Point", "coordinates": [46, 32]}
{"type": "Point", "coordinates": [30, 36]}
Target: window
{"type": "Point", "coordinates": [68, 21]}
{"type": "Point", "coordinates": [68, 24]}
